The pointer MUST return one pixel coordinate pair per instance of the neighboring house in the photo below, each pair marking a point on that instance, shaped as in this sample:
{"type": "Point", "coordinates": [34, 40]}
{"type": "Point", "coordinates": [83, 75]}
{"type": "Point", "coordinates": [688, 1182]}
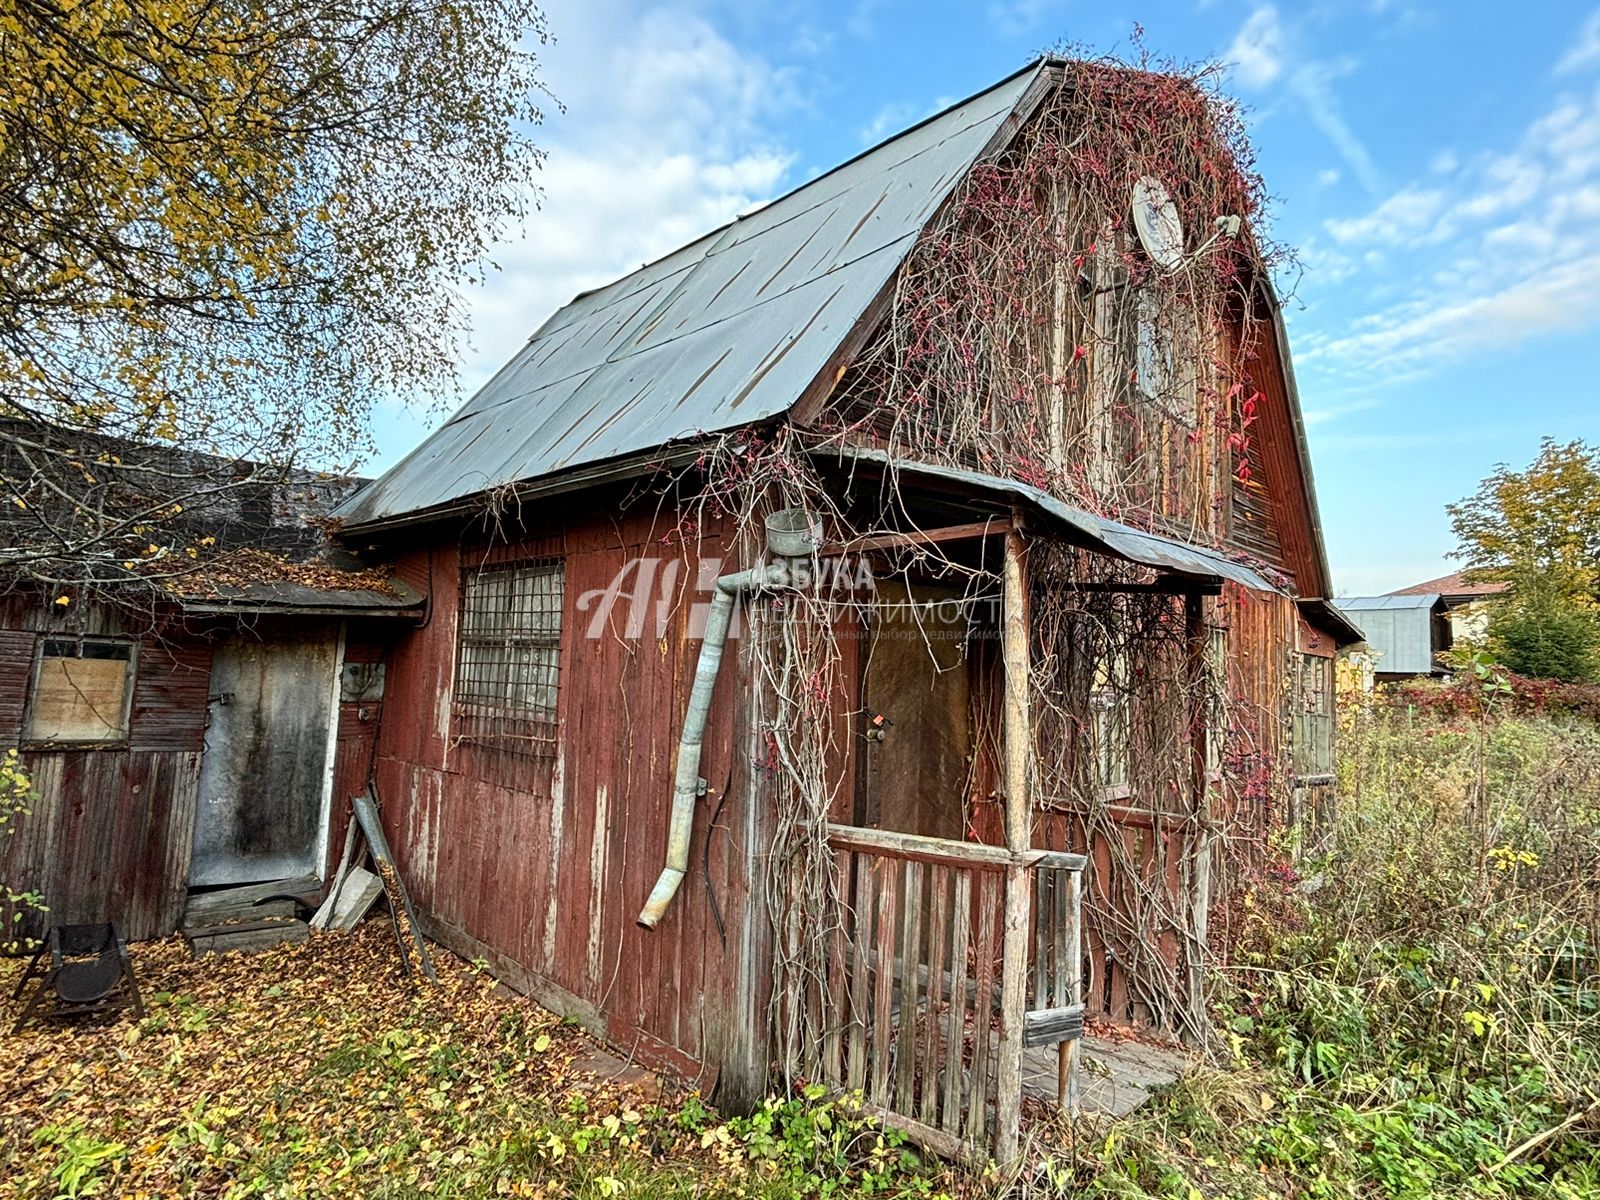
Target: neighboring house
{"type": "Point", "coordinates": [193, 731]}
{"type": "Point", "coordinates": [1404, 633]}
{"type": "Point", "coordinates": [1467, 605]}
{"type": "Point", "coordinates": [1011, 579]}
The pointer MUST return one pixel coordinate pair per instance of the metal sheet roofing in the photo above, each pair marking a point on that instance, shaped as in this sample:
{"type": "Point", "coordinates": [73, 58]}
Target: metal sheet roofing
{"type": "Point", "coordinates": [1124, 541]}
{"type": "Point", "coordinates": [1374, 603]}
{"type": "Point", "coordinates": [728, 330]}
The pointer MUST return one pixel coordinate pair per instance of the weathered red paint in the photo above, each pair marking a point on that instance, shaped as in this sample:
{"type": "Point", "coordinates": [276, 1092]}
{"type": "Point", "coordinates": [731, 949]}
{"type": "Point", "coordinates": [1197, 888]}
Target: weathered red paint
{"type": "Point", "coordinates": [545, 861]}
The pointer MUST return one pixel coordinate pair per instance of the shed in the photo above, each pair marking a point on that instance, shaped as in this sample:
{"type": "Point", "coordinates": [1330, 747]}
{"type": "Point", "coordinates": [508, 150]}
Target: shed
{"type": "Point", "coordinates": [1407, 632]}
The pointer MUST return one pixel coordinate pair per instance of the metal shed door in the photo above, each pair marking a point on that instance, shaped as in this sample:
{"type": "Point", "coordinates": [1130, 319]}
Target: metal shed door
{"type": "Point", "coordinates": [262, 778]}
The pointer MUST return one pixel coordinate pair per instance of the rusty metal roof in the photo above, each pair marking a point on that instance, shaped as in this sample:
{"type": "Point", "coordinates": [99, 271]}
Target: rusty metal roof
{"type": "Point", "coordinates": [728, 330]}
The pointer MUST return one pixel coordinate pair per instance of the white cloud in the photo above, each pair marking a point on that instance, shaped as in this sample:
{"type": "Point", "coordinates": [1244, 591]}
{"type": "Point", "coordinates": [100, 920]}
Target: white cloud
{"type": "Point", "coordinates": [1260, 56]}
{"type": "Point", "coordinates": [1256, 54]}
{"type": "Point", "coordinates": [1404, 216]}
{"type": "Point", "coordinates": [1585, 49]}
{"type": "Point", "coordinates": [635, 170]}
{"type": "Point", "coordinates": [1502, 250]}
{"type": "Point", "coordinates": [1313, 84]}
{"type": "Point", "coordinates": [1329, 176]}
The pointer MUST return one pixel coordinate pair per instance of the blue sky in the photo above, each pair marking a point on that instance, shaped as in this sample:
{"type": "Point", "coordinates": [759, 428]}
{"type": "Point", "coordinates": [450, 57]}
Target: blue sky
{"type": "Point", "coordinates": [1437, 165]}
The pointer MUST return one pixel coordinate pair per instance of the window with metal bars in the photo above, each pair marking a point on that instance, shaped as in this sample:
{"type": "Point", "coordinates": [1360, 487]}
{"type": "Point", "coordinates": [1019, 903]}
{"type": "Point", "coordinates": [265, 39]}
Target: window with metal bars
{"type": "Point", "coordinates": [1313, 718]}
{"type": "Point", "coordinates": [508, 661]}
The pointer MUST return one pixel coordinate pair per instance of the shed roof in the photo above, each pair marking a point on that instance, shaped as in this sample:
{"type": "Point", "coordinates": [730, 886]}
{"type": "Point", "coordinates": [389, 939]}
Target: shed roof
{"type": "Point", "coordinates": [1100, 533]}
{"type": "Point", "coordinates": [730, 329]}
{"type": "Point", "coordinates": [1395, 601]}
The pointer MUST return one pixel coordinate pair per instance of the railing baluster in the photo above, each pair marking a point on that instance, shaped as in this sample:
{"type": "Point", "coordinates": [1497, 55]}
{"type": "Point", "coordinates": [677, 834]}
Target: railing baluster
{"type": "Point", "coordinates": [938, 921]}
{"type": "Point", "coordinates": [1041, 937]}
{"type": "Point", "coordinates": [955, 1039]}
{"type": "Point", "coordinates": [905, 1050]}
{"type": "Point", "coordinates": [989, 887]}
{"type": "Point", "coordinates": [1060, 932]}
{"type": "Point", "coordinates": [883, 986]}
{"type": "Point", "coordinates": [861, 973]}
{"type": "Point", "coordinates": [838, 943]}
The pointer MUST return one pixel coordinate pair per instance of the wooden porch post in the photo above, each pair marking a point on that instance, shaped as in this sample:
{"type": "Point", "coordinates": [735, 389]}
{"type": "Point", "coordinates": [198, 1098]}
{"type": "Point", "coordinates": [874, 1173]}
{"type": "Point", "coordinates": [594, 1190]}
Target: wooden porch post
{"type": "Point", "coordinates": [1200, 815]}
{"type": "Point", "coordinates": [1017, 738]}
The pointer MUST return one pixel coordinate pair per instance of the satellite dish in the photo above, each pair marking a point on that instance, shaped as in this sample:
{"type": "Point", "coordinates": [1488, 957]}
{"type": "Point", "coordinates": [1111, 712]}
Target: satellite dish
{"type": "Point", "coordinates": [1155, 217]}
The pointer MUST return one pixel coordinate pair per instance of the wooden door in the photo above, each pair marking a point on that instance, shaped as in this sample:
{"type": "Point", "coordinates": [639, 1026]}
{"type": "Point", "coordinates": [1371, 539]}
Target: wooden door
{"type": "Point", "coordinates": [917, 715]}
{"type": "Point", "coordinates": [264, 774]}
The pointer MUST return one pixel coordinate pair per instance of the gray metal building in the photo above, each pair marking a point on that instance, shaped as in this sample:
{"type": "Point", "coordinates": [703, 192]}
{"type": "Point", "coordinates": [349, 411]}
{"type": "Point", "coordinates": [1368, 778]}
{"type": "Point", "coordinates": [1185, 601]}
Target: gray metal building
{"type": "Point", "coordinates": [1406, 632]}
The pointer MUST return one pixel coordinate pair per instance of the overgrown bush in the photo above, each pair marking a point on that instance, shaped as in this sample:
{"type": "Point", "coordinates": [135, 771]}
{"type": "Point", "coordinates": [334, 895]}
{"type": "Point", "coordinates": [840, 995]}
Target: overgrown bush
{"type": "Point", "coordinates": [1428, 1023]}
{"type": "Point", "coordinates": [16, 801]}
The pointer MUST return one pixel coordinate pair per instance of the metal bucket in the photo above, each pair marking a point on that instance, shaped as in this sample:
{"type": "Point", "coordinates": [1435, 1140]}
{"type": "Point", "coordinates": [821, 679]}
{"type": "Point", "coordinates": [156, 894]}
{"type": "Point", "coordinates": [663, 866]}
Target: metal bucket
{"type": "Point", "coordinates": [793, 533]}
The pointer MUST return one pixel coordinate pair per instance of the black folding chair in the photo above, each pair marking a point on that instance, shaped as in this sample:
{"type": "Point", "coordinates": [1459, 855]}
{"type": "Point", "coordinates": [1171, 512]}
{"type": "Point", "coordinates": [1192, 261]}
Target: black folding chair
{"type": "Point", "coordinates": [89, 972]}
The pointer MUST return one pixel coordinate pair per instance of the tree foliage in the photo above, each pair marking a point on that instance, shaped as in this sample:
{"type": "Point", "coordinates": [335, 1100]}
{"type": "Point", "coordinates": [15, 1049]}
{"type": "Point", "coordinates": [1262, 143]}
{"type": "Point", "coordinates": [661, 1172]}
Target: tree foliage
{"type": "Point", "coordinates": [1538, 531]}
{"type": "Point", "coordinates": [228, 227]}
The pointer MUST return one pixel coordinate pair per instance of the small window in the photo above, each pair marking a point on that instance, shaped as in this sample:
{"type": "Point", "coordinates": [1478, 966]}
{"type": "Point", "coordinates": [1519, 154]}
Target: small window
{"type": "Point", "coordinates": [82, 691]}
{"type": "Point", "coordinates": [508, 667]}
{"type": "Point", "coordinates": [1313, 718]}
{"type": "Point", "coordinates": [1109, 720]}
{"type": "Point", "coordinates": [1217, 697]}
{"type": "Point", "coordinates": [1165, 380]}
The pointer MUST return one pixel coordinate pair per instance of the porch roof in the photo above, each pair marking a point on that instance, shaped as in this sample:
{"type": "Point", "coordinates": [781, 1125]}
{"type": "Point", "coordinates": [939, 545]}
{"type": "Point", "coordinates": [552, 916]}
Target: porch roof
{"type": "Point", "coordinates": [1165, 554]}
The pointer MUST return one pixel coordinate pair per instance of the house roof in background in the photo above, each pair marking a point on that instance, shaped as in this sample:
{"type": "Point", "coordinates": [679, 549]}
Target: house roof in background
{"type": "Point", "coordinates": [728, 330]}
{"type": "Point", "coordinates": [1450, 586]}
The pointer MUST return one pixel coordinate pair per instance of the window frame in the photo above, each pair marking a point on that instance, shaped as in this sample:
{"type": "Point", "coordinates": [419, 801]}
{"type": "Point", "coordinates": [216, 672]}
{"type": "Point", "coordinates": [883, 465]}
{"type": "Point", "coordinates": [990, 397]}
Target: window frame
{"type": "Point", "coordinates": [530, 657]}
{"type": "Point", "coordinates": [117, 740]}
{"type": "Point", "coordinates": [1314, 718]}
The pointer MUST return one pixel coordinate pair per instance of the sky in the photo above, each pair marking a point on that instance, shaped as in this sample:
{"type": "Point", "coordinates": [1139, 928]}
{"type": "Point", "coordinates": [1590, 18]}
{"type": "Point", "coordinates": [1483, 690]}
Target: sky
{"type": "Point", "coordinates": [1435, 164]}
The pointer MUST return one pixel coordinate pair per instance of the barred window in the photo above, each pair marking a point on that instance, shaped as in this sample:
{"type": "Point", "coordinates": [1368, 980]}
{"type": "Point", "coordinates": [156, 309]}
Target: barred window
{"type": "Point", "coordinates": [1313, 717]}
{"type": "Point", "coordinates": [508, 664]}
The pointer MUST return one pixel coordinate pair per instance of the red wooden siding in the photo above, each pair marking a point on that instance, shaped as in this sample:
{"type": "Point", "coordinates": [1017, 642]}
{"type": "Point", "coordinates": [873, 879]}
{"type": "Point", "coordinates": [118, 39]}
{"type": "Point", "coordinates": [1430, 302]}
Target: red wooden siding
{"type": "Point", "coordinates": [545, 862]}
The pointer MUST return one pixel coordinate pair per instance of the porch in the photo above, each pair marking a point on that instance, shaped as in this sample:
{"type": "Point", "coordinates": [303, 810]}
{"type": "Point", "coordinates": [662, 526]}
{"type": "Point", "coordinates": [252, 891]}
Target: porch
{"type": "Point", "coordinates": [914, 1012]}
{"type": "Point", "coordinates": [952, 967]}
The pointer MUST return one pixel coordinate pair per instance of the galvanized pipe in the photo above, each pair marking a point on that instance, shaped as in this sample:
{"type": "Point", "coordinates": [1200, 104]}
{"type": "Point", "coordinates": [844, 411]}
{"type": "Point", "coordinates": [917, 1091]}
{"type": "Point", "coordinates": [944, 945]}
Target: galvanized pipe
{"type": "Point", "coordinates": [687, 782]}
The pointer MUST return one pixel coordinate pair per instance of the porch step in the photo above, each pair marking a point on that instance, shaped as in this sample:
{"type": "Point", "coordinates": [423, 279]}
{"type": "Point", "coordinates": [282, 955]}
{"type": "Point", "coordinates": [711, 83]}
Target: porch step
{"type": "Point", "coordinates": [1114, 1076]}
{"type": "Point", "coordinates": [231, 919]}
{"type": "Point", "coordinates": [248, 936]}
{"type": "Point", "coordinates": [224, 905]}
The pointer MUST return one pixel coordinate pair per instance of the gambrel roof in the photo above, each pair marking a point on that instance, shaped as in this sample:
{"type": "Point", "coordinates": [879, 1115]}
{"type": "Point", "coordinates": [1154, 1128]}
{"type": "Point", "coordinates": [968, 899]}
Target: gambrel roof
{"type": "Point", "coordinates": [737, 327]}
{"type": "Point", "coordinates": [730, 329]}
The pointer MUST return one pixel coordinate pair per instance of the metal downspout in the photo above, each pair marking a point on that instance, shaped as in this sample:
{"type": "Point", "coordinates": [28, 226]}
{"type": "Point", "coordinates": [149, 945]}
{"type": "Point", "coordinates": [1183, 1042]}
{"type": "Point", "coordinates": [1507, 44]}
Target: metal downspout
{"type": "Point", "coordinates": [687, 783]}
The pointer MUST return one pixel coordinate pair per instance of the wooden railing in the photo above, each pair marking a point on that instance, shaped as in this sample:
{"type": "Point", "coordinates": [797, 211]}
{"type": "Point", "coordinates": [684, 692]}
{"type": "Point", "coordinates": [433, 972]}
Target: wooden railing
{"type": "Point", "coordinates": [912, 992]}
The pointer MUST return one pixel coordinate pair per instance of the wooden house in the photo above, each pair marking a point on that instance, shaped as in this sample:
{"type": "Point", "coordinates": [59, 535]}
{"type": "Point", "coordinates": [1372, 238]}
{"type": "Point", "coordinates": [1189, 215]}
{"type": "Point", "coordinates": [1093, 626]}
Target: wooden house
{"type": "Point", "coordinates": [885, 629]}
{"type": "Point", "coordinates": [191, 731]}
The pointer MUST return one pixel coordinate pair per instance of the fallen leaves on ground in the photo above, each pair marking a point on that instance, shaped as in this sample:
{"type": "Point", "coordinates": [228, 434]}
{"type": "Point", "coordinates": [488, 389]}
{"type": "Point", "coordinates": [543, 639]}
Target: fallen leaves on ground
{"type": "Point", "coordinates": [315, 1071]}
